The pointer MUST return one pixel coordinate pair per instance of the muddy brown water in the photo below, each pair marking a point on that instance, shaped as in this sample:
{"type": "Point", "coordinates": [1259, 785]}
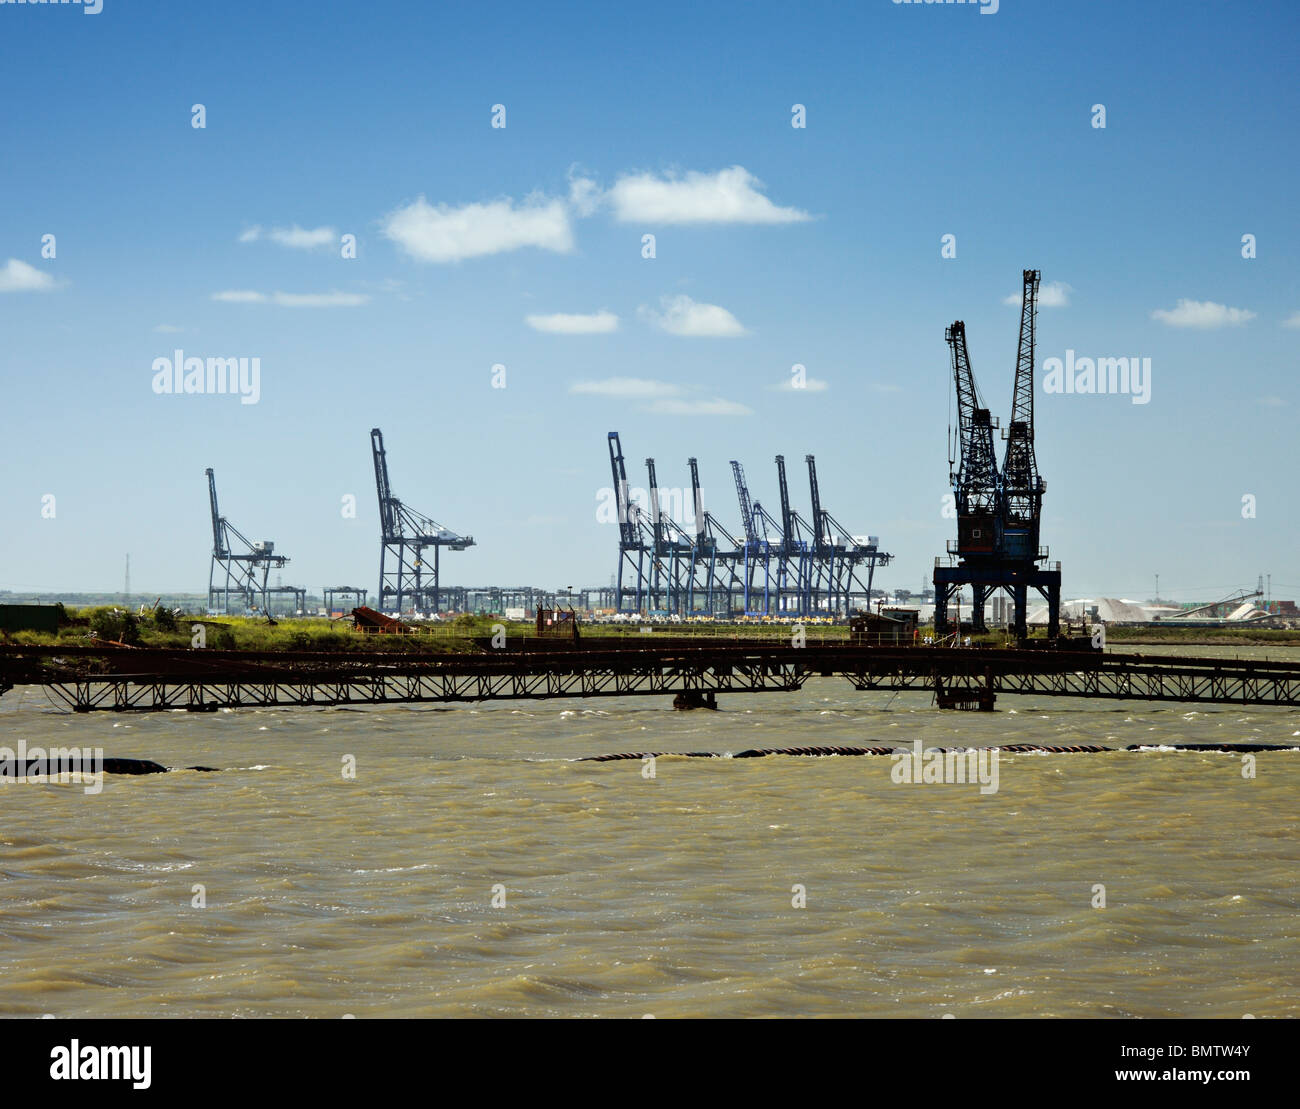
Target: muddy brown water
{"type": "Point", "coordinates": [474, 867]}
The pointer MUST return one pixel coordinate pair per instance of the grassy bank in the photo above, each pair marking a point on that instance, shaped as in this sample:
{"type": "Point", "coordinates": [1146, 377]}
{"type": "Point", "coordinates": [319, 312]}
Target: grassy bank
{"type": "Point", "coordinates": [160, 628]}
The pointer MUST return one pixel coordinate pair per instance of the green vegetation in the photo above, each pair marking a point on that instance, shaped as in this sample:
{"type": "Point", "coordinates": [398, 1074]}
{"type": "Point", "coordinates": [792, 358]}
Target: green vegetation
{"type": "Point", "coordinates": [161, 627]}
{"type": "Point", "coordinates": [116, 625]}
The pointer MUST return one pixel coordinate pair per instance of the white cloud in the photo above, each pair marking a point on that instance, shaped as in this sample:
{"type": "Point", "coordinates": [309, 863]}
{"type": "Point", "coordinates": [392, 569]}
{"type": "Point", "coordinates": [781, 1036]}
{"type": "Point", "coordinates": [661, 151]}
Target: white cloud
{"type": "Point", "coordinates": [239, 296]}
{"type": "Point", "coordinates": [683, 316]}
{"type": "Point", "coordinates": [299, 238]}
{"type": "Point", "coordinates": [168, 329]}
{"type": "Point", "coordinates": [886, 388]}
{"type": "Point", "coordinates": [321, 300]}
{"type": "Point", "coordinates": [729, 196]}
{"type": "Point", "coordinates": [293, 300]}
{"type": "Point", "coordinates": [561, 323]}
{"type": "Point", "coordinates": [677, 406]}
{"type": "Point", "coordinates": [1202, 314]}
{"type": "Point", "coordinates": [19, 277]}
{"type": "Point", "coordinates": [584, 194]}
{"type": "Point", "coordinates": [1272, 402]}
{"type": "Point", "coordinates": [303, 239]}
{"type": "Point", "coordinates": [442, 233]}
{"type": "Point", "coordinates": [810, 385]}
{"type": "Point", "coordinates": [633, 388]}
{"type": "Point", "coordinates": [1292, 320]}
{"type": "Point", "coordinates": [1055, 294]}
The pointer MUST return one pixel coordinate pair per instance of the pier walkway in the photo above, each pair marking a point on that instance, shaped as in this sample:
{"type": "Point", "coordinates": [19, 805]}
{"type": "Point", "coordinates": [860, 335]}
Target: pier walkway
{"type": "Point", "coordinates": [91, 678]}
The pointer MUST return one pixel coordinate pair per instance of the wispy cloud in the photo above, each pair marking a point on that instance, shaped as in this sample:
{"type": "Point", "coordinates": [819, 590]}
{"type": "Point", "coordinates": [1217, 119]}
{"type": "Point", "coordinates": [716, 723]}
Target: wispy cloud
{"type": "Point", "coordinates": [239, 296]}
{"type": "Point", "coordinates": [443, 233]}
{"type": "Point", "coordinates": [561, 323]}
{"type": "Point", "coordinates": [731, 195]}
{"type": "Point", "coordinates": [19, 277]}
{"type": "Point", "coordinates": [293, 300]}
{"type": "Point", "coordinates": [298, 238]}
{"type": "Point", "coordinates": [301, 238]}
{"type": "Point", "coordinates": [1055, 294]}
{"type": "Point", "coordinates": [168, 329]}
{"type": "Point", "coordinates": [1292, 320]}
{"type": "Point", "coordinates": [683, 316]}
{"type": "Point", "coordinates": [584, 194]}
{"type": "Point", "coordinates": [1203, 314]}
{"type": "Point", "coordinates": [1272, 402]}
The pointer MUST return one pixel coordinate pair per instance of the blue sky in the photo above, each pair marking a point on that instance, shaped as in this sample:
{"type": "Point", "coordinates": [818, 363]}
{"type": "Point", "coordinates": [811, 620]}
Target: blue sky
{"type": "Point", "coordinates": [822, 248]}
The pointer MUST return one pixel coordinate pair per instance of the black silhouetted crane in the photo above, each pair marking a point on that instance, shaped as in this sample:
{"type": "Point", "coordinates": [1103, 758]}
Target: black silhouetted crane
{"type": "Point", "coordinates": [1022, 488]}
{"type": "Point", "coordinates": [975, 482]}
{"type": "Point", "coordinates": [998, 514]}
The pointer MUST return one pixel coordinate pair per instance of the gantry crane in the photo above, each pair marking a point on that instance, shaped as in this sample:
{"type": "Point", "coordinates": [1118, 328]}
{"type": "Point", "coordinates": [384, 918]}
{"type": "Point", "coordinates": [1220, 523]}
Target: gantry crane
{"type": "Point", "coordinates": [812, 569]}
{"type": "Point", "coordinates": [404, 536]}
{"type": "Point", "coordinates": [245, 571]}
{"type": "Point", "coordinates": [719, 557]}
{"type": "Point", "coordinates": [671, 562]}
{"type": "Point", "coordinates": [756, 548]}
{"type": "Point", "coordinates": [631, 549]}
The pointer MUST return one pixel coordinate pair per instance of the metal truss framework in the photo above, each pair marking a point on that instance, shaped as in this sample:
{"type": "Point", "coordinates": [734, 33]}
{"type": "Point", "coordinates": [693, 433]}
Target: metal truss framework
{"type": "Point", "coordinates": [196, 696]}
{"type": "Point", "coordinates": [208, 680]}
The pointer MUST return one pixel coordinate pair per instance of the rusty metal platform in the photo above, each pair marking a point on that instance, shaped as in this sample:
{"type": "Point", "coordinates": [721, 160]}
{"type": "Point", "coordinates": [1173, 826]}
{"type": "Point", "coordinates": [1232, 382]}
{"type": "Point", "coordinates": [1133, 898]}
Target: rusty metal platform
{"type": "Point", "coordinates": [85, 679]}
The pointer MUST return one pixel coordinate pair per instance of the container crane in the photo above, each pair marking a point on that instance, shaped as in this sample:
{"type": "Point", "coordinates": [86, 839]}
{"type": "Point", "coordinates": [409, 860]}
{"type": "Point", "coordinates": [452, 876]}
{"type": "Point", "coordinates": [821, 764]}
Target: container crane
{"type": "Point", "coordinates": [245, 570]}
{"type": "Point", "coordinates": [404, 536]}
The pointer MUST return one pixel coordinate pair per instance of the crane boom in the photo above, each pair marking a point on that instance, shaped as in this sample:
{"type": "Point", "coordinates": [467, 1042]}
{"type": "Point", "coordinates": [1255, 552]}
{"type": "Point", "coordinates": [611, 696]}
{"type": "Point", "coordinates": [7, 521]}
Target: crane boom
{"type": "Point", "coordinates": [656, 523]}
{"type": "Point", "coordinates": [819, 530]}
{"type": "Point", "coordinates": [626, 523]}
{"type": "Point", "coordinates": [746, 509]}
{"type": "Point", "coordinates": [976, 481]}
{"type": "Point", "coordinates": [218, 529]}
{"type": "Point", "coordinates": [1022, 397]}
{"type": "Point", "coordinates": [387, 513]}
{"type": "Point", "coordinates": [697, 503]}
{"type": "Point", "coordinates": [1023, 488]}
{"type": "Point", "coordinates": [787, 528]}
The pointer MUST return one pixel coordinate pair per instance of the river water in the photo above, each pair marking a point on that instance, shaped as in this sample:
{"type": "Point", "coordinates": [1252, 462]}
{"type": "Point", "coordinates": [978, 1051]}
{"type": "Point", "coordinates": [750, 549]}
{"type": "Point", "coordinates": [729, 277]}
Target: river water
{"type": "Point", "coordinates": [473, 868]}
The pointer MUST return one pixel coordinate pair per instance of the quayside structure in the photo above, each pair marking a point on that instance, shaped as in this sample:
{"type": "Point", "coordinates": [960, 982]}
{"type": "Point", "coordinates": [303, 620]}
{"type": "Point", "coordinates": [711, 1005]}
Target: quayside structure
{"type": "Point", "coordinates": [998, 510]}
{"type": "Point", "coordinates": [773, 566]}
